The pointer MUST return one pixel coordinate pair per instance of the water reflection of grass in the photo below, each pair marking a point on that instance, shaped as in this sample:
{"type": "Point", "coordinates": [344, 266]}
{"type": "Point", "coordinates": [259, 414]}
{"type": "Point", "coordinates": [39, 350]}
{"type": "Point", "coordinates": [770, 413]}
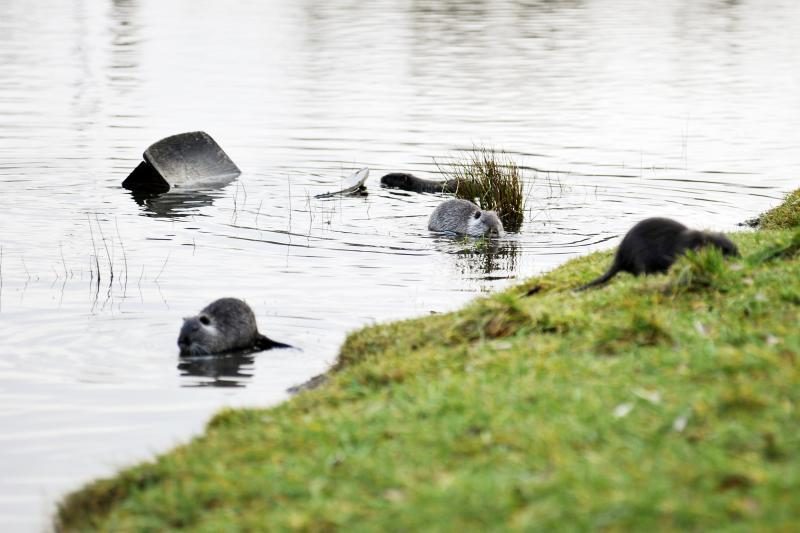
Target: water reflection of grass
{"type": "Point", "coordinates": [487, 256]}
{"type": "Point", "coordinates": [662, 402]}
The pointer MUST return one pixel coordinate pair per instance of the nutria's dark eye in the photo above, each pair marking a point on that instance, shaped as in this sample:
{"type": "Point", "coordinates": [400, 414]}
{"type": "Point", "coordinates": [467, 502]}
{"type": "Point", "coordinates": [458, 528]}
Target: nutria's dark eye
{"type": "Point", "coordinates": [204, 320]}
{"type": "Point", "coordinates": [477, 215]}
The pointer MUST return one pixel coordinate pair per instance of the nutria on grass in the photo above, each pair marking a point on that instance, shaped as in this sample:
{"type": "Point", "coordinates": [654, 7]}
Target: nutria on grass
{"type": "Point", "coordinates": [654, 244]}
{"type": "Point", "coordinates": [224, 325]}
{"type": "Point", "coordinates": [409, 182]}
{"type": "Point", "coordinates": [464, 218]}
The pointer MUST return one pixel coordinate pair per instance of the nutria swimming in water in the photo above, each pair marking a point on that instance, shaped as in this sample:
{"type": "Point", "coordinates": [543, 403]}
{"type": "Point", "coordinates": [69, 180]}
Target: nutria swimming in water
{"type": "Point", "coordinates": [225, 325]}
{"type": "Point", "coordinates": [409, 182]}
{"type": "Point", "coordinates": [654, 244]}
{"type": "Point", "coordinates": [464, 218]}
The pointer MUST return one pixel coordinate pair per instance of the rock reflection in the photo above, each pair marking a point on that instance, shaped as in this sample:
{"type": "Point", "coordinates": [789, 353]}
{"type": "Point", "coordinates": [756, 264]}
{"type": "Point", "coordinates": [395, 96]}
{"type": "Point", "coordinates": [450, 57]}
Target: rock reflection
{"type": "Point", "coordinates": [220, 370]}
{"type": "Point", "coordinates": [174, 204]}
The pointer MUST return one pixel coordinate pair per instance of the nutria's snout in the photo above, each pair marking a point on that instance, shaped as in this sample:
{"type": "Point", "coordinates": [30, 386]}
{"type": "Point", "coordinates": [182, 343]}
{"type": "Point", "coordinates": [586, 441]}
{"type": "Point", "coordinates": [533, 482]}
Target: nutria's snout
{"type": "Point", "coordinates": [188, 330]}
{"type": "Point", "coordinates": [183, 349]}
{"type": "Point", "coordinates": [727, 246]}
{"type": "Point", "coordinates": [492, 223]}
{"type": "Point", "coordinates": [183, 344]}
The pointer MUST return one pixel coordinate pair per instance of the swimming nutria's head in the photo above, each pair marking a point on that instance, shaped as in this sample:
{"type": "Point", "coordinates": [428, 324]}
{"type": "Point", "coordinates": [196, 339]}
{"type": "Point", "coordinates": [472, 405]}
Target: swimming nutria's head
{"type": "Point", "coordinates": [223, 325]}
{"type": "Point", "coordinates": [485, 223]}
{"type": "Point", "coordinates": [197, 335]}
{"type": "Point", "coordinates": [398, 180]}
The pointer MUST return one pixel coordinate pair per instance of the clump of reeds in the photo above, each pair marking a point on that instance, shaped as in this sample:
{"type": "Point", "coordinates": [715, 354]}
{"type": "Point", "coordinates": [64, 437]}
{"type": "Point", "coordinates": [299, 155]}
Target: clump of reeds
{"type": "Point", "coordinates": [492, 180]}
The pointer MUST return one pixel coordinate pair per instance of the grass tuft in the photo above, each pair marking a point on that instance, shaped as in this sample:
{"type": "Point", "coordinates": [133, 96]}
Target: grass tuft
{"type": "Point", "coordinates": [784, 216]}
{"type": "Point", "coordinates": [782, 249]}
{"type": "Point", "coordinates": [642, 329]}
{"type": "Point", "coordinates": [492, 180]}
{"type": "Point", "coordinates": [498, 317]}
{"type": "Point", "coordinates": [701, 269]}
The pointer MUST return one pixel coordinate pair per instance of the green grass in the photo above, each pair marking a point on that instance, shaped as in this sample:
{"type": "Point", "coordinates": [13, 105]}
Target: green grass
{"type": "Point", "coordinates": [493, 181]}
{"type": "Point", "coordinates": [786, 215]}
{"type": "Point", "coordinates": [662, 402]}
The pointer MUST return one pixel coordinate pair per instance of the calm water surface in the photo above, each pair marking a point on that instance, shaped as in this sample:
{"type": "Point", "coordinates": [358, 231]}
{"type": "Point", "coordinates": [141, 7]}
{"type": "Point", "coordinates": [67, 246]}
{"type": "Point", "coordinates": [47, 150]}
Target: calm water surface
{"type": "Point", "coordinates": [618, 110]}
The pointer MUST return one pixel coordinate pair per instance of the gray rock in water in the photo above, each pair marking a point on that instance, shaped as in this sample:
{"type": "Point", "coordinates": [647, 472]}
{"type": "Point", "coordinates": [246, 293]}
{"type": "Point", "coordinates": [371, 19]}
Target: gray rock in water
{"type": "Point", "coordinates": [184, 160]}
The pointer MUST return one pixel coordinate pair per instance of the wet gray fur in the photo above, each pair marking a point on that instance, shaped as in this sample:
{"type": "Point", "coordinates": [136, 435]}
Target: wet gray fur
{"type": "Point", "coordinates": [409, 182]}
{"type": "Point", "coordinates": [225, 325]}
{"type": "Point", "coordinates": [654, 244]}
{"type": "Point", "coordinates": [464, 218]}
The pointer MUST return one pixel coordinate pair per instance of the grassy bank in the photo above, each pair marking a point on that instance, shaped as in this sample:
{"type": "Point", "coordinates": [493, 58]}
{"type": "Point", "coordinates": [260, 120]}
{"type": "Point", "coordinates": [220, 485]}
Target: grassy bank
{"type": "Point", "coordinates": [666, 402]}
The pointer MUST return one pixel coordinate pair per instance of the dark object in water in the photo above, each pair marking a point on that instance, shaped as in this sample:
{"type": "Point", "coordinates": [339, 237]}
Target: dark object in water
{"type": "Point", "coordinates": [223, 326]}
{"type": "Point", "coordinates": [181, 160]}
{"type": "Point", "coordinates": [409, 182]}
{"type": "Point", "coordinates": [751, 222]}
{"type": "Point", "coordinates": [654, 244]}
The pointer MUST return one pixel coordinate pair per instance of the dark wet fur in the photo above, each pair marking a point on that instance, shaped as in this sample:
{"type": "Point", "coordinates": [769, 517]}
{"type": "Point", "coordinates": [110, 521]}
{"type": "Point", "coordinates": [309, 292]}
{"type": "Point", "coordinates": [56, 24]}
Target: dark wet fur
{"type": "Point", "coordinates": [654, 244]}
{"type": "Point", "coordinates": [226, 325]}
{"type": "Point", "coordinates": [409, 182]}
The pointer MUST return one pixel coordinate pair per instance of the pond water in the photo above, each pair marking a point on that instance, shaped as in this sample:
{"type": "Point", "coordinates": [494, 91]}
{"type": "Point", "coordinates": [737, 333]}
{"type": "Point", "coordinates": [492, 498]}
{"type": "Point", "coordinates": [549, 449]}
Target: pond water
{"type": "Point", "coordinates": [617, 110]}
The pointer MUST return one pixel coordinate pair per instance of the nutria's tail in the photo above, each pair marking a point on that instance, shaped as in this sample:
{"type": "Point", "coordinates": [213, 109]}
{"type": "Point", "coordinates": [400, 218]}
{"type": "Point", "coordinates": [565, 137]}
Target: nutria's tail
{"type": "Point", "coordinates": [602, 280]}
{"type": "Point", "coordinates": [265, 343]}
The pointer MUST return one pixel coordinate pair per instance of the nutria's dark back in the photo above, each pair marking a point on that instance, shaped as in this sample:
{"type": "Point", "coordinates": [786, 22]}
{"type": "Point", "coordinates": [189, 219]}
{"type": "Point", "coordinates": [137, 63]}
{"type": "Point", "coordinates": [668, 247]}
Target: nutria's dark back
{"type": "Point", "coordinates": [651, 246]}
{"type": "Point", "coordinates": [654, 244]}
{"type": "Point", "coordinates": [409, 182]}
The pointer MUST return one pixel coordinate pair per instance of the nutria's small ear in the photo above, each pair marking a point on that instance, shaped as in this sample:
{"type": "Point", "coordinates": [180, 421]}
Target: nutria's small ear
{"type": "Point", "coordinates": [186, 318]}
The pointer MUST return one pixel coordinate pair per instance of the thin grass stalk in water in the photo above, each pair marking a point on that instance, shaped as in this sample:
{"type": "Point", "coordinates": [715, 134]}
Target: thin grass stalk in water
{"type": "Point", "coordinates": [124, 256]}
{"type": "Point", "coordinates": [108, 254]}
{"type": "Point", "coordinates": [94, 247]}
